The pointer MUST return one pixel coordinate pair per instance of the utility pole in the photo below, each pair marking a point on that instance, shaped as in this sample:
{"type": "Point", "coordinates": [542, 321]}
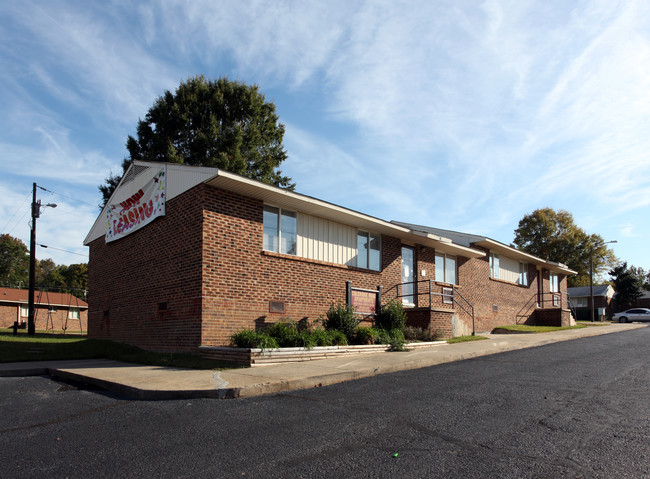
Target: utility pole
{"type": "Point", "coordinates": [591, 277]}
{"type": "Point", "coordinates": [36, 213]}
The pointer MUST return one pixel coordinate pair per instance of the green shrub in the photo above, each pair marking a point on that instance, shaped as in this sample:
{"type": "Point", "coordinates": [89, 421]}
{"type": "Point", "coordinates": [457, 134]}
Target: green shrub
{"type": "Point", "coordinates": [393, 338]}
{"type": "Point", "coordinates": [342, 318]}
{"type": "Point", "coordinates": [324, 337]}
{"type": "Point", "coordinates": [391, 316]}
{"type": "Point", "coordinates": [252, 339]}
{"type": "Point", "coordinates": [338, 338]}
{"type": "Point", "coordinates": [287, 335]}
{"type": "Point", "coordinates": [366, 335]}
{"type": "Point", "coordinates": [397, 340]}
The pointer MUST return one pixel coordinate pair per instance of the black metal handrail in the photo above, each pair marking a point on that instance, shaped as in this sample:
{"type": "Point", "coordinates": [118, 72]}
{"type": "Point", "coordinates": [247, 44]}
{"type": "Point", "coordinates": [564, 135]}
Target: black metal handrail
{"type": "Point", "coordinates": [446, 296]}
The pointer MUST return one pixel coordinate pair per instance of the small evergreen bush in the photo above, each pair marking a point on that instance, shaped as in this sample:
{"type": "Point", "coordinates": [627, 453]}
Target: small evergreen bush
{"type": "Point", "coordinates": [252, 339]}
{"type": "Point", "coordinates": [391, 316]}
{"type": "Point", "coordinates": [394, 338]}
{"type": "Point", "coordinates": [324, 337]}
{"type": "Point", "coordinates": [342, 318]}
{"type": "Point", "coordinates": [287, 335]}
{"type": "Point", "coordinates": [338, 338]}
{"type": "Point", "coordinates": [366, 335]}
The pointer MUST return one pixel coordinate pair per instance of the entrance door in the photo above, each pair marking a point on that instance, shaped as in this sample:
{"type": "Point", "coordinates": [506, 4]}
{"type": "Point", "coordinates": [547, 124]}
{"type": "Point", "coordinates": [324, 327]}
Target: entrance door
{"type": "Point", "coordinates": [408, 263]}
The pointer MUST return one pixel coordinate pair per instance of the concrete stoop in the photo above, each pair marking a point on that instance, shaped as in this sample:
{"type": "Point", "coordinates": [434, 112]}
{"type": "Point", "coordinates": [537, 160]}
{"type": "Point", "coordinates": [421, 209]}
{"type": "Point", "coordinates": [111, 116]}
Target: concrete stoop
{"type": "Point", "coordinates": [267, 357]}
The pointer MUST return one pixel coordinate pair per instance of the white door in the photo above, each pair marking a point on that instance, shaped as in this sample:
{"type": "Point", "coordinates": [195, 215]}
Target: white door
{"type": "Point", "coordinates": [408, 262]}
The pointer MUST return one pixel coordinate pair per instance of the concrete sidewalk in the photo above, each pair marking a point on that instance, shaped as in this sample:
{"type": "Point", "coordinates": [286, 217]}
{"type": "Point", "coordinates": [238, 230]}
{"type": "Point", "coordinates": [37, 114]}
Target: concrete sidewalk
{"type": "Point", "coordinates": [155, 382]}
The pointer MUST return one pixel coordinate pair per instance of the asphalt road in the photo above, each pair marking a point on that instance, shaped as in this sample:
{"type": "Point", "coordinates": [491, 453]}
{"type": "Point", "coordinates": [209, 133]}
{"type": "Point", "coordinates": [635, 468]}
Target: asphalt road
{"type": "Point", "coordinates": [572, 409]}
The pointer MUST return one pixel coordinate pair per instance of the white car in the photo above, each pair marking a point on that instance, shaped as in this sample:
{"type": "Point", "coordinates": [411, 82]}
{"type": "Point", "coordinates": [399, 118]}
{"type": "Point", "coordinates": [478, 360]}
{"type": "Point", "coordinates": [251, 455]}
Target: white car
{"type": "Point", "coordinates": [636, 314]}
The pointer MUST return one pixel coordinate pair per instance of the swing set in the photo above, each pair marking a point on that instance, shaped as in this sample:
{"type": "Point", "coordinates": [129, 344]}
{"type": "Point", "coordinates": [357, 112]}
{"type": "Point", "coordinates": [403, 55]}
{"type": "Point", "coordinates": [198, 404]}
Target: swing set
{"type": "Point", "coordinates": [52, 310]}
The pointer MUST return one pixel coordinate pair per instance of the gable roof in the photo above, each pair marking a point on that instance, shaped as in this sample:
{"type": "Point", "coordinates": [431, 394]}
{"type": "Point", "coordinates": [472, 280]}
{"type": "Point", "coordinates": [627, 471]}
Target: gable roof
{"type": "Point", "coordinates": [42, 298]}
{"type": "Point", "coordinates": [180, 178]}
{"type": "Point", "coordinates": [469, 240]}
{"type": "Point", "coordinates": [599, 290]}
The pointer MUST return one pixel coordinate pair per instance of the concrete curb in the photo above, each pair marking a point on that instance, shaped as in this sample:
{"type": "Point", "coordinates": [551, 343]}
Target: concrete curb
{"type": "Point", "coordinates": [154, 383]}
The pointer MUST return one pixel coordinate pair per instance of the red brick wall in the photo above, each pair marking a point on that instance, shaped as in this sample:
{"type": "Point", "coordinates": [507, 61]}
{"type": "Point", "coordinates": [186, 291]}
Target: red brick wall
{"type": "Point", "coordinates": [145, 289]}
{"type": "Point", "coordinates": [205, 260]}
{"type": "Point", "coordinates": [199, 274]}
{"type": "Point", "coordinates": [240, 279]}
{"type": "Point", "coordinates": [496, 302]}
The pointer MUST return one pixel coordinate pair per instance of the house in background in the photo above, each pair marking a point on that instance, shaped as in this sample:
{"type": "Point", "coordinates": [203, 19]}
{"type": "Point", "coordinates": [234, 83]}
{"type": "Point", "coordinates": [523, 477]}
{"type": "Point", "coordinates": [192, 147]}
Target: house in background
{"type": "Point", "coordinates": [183, 257]}
{"type": "Point", "coordinates": [580, 297]}
{"type": "Point", "coordinates": [54, 311]}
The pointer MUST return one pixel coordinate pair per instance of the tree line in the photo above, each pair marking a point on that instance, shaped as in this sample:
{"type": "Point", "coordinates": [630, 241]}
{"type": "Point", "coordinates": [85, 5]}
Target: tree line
{"type": "Point", "coordinates": [553, 235]}
{"type": "Point", "coordinates": [14, 270]}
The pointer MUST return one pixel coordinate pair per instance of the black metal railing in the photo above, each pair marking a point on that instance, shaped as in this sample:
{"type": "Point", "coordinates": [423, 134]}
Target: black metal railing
{"type": "Point", "coordinates": [438, 295]}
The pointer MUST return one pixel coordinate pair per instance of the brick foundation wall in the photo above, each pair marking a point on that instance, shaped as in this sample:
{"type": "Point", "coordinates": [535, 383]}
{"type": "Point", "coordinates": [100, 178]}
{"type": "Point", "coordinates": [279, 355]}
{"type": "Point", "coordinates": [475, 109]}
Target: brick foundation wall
{"type": "Point", "coordinates": [432, 320]}
{"type": "Point", "coordinates": [552, 317]}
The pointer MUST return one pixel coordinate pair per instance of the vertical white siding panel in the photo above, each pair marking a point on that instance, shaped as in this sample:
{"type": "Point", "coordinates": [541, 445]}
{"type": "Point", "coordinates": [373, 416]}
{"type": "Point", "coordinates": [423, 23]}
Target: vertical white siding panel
{"type": "Point", "coordinates": [325, 240]}
{"type": "Point", "coordinates": [508, 269]}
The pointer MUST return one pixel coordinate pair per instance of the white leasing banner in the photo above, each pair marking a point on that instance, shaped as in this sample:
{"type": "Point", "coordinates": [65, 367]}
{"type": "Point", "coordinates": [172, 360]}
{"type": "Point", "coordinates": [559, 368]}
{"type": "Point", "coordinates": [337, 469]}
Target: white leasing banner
{"type": "Point", "coordinates": [138, 210]}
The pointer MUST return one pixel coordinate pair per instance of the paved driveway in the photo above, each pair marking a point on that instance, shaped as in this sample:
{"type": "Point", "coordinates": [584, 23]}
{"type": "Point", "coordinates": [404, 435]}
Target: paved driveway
{"type": "Point", "coordinates": [571, 409]}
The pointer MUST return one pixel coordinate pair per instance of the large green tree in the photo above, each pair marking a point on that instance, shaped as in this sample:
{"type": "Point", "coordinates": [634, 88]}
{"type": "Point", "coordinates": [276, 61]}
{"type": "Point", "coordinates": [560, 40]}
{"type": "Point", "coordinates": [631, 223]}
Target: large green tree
{"type": "Point", "coordinates": [553, 235]}
{"type": "Point", "coordinates": [14, 262]}
{"type": "Point", "coordinates": [628, 284]}
{"type": "Point", "coordinates": [223, 123]}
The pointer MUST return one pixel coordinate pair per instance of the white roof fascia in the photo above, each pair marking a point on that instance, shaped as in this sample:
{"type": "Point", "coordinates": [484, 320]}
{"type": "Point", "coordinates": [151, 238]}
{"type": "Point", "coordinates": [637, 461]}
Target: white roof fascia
{"type": "Point", "coordinates": [181, 178]}
{"type": "Point", "coordinates": [523, 256]}
{"type": "Point", "coordinates": [446, 245]}
{"type": "Point", "coordinates": [275, 196]}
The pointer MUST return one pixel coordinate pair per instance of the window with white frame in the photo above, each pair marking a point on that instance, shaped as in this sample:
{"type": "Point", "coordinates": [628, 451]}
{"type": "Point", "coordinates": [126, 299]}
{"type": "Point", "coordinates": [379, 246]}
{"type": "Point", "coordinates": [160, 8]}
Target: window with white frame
{"type": "Point", "coordinates": [368, 250]}
{"type": "Point", "coordinates": [579, 302]}
{"type": "Point", "coordinates": [73, 313]}
{"type": "Point", "coordinates": [446, 268]}
{"type": "Point", "coordinates": [523, 274]}
{"type": "Point", "coordinates": [24, 311]}
{"type": "Point", "coordinates": [554, 283]}
{"type": "Point", "coordinates": [280, 230]}
{"type": "Point", "coordinates": [494, 265]}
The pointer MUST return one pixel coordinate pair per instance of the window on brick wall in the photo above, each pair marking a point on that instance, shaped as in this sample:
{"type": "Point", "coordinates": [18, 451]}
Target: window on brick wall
{"type": "Point", "coordinates": [280, 230]}
{"type": "Point", "coordinates": [554, 283]}
{"type": "Point", "coordinates": [579, 302]}
{"type": "Point", "coordinates": [494, 266]}
{"type": "Point", "coordinates": [73, 313]}
{"type": "Point", "coordinates": [523, 274]}
{"type": "Point", "coordinates": [24, 311]}
{"type": "Point", "coordinates": [446, 268]}
{"type": "Point", "coordinates": [368, 250]}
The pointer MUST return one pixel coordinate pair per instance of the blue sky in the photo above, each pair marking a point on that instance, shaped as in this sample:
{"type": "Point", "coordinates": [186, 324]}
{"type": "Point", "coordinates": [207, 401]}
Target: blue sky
{"type": "Point", "coordinates": [462, 115]}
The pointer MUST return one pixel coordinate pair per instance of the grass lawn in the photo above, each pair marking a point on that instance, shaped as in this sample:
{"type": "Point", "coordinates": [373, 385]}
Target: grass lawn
{"type": "Point", "coordinates": [44, 347]}
{"type": "Point", "coordinates": [595, 323]}
{"type": "Point", "coordinates": [464, 339]}
{"type": "Point", "coordinates": [536, 329]}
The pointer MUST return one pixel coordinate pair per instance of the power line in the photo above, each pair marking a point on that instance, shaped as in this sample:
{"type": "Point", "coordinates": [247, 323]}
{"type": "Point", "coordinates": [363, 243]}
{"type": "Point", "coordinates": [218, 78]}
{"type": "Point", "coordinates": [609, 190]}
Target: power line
{"type": "Point", "coordinates": [6, 228]}
{"type": "Point", "coordinates": [67, 196]}
{"type": "Point", "coordinates": [64, 250]}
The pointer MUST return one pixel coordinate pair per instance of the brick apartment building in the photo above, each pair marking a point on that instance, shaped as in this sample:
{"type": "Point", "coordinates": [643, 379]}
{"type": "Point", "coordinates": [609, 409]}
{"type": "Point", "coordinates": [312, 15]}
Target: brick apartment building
{"type": "Point", "coordinates": [55, 311]}
{"type": "Point", "coordinates": [183, 257]}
